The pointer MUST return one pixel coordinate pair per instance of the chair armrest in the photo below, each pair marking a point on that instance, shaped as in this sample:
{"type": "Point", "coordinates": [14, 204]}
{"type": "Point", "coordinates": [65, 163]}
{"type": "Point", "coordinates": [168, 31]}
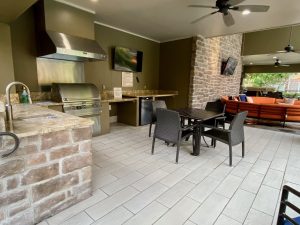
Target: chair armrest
{"type": "Point", "coordinates": [215, 128]}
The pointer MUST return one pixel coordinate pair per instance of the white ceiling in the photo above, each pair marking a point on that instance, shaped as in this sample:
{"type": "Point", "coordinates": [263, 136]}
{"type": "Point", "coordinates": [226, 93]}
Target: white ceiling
{"type": "Point", "coordinates": [267, 59]}
{"type": "Point", "coordinates": [164, 20]}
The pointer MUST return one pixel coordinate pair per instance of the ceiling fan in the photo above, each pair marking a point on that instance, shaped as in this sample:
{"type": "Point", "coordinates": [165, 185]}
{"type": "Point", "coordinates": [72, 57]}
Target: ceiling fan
{"type": "Point", "coordinates": [278, 63]}
{"type": "Point", "coordinates": [289, 47]}
{"type": "Point", "coordinates": [224, 7]}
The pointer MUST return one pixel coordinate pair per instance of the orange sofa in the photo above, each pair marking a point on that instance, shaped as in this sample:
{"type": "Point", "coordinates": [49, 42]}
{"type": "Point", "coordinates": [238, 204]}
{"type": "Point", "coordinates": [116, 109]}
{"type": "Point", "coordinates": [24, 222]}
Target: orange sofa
{"type": "Point", "coordinates": [265, 108]}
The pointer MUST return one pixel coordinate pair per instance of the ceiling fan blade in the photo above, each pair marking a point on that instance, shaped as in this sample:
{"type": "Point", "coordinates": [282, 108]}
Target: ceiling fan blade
{"type": "Point", "coordinates": [228, 19]}
{"type": "Point", "coordinates": [202, 6]}
{"type": "Point", "coordinates": [252, 8]}
{"type": "Point", "coordinates": [235, 2]}
{"type": "Point", "coordinates": [203, 17]}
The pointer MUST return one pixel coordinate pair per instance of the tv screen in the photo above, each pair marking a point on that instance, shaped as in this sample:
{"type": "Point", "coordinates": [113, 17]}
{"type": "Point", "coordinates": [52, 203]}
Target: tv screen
{"type": "Point", "coordinates": [228, 67]}
{"type": "Point", "coordinates": [125, 59]}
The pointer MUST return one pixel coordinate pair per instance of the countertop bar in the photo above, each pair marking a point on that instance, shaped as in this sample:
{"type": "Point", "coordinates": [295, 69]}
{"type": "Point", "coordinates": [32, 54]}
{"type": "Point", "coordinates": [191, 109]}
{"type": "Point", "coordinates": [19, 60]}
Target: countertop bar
{"type": "Point", "coordinates": [138, 95]}
{"type": "Point", "coordinates": [47, 103]}
{"type": "Point", "coordinates": [32, 120]}
{"type": "Point", "coordinates": [50, 103]}
{"type": "Point", "coordinates": [111, 100]}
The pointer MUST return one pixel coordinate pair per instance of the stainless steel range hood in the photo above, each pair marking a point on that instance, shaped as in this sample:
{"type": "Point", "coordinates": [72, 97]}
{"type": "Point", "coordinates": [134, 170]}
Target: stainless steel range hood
{"type": "Point", "coordinates": [56, 45]}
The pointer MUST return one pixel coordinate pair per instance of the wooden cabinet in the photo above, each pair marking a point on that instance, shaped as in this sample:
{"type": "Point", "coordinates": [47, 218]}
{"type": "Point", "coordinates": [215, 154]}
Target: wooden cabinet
{"type": "Point", "coordinates": [128, 113]}
{"type": "Point", "coordinates": [104, 118]}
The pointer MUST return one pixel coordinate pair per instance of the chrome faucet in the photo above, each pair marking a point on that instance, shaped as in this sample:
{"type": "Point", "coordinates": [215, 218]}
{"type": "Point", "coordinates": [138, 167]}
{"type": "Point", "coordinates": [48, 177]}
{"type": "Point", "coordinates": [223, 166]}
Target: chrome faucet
{"type": "Point", "coordinates": [8, 106]}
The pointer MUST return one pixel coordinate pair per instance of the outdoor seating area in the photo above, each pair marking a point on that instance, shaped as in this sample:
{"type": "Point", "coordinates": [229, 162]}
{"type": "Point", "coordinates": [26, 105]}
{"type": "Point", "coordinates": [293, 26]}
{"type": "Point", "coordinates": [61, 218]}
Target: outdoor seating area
{"type": "Point", "coordinates": [265, 108]}
{"type": "Point", "coordinates": [149, 112]}
{"type": "Point", "coordinates": [132, 186]}
{"type": "Point", "coordinates": [171, 126]}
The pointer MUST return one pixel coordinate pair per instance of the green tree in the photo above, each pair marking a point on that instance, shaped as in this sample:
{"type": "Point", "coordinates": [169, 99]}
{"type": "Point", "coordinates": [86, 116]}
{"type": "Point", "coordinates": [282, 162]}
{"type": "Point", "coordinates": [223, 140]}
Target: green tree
{"type": "Point", "coordinates": [265, 79]}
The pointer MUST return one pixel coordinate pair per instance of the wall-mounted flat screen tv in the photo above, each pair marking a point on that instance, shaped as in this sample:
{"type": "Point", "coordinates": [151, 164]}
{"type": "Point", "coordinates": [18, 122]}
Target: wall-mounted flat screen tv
{"type": "Point", "coordinates": [126, 59]}
{"type": "Point", "coordinates": [228, 67]}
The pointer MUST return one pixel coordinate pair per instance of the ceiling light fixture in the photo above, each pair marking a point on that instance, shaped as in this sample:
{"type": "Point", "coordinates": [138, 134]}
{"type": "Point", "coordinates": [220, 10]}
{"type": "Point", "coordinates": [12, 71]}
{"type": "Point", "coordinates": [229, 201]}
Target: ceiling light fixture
{"type": "Point", "coordinates": [274, 57]}
{"type": "Point", "coordinates": [94, 0]}
{"type": "Point", "coordinates": [246, 12]}
{"type": "Point", "coordinates": [251, 63]}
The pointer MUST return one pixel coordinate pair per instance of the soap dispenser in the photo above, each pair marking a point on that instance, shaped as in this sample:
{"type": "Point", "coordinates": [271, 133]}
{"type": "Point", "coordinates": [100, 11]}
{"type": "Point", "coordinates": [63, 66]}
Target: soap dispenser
{"type": "Point", "coordinates": [24, 96]}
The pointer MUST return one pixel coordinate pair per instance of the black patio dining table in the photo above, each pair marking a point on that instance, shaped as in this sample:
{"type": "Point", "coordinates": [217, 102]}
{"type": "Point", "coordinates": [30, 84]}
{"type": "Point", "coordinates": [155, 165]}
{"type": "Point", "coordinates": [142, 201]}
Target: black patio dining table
{"type": "Point", "coordinates": [199, 116]}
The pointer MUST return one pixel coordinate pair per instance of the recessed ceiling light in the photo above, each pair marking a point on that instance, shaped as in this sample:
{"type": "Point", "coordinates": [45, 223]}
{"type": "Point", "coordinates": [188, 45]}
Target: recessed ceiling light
{"type": "Point", "coordinates": [94, 0]}
{"type": "Point", "coordinates": [251, 63]}
{"type": "Point", "coordinates": [274, 57]}
{"type": "Point", "coordinates": [246, 12]}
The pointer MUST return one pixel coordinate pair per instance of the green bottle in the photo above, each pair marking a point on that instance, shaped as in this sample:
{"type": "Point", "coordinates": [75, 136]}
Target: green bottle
{"type": "Point", "coordinates": [24, 96]}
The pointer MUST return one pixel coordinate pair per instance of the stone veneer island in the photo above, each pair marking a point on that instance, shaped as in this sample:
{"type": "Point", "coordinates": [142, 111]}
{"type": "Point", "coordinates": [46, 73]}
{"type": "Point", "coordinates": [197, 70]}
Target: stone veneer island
{"type": "Point", "coordinates": [52, 168]}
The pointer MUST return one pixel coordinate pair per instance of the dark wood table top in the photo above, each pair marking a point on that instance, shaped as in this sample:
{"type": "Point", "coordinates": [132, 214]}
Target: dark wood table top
{"type": "Point", "coordinates": [198, 114]}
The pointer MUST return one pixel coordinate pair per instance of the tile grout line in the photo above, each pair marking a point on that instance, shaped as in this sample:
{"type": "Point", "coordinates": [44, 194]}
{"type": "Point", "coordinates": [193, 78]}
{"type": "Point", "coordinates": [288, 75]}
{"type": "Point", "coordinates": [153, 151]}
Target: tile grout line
{"type": "Point", "coordinates": [260, 186]}
{"type": "Point", "coordinates": [282, 182]}
{"type": "Point", "coordinates": [239, 187]}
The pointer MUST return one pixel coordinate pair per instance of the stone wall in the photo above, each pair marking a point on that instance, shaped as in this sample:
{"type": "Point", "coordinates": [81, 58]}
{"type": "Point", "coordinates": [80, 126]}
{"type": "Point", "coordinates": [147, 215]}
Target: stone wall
{"type": "Point", "coordinates": [48, 173]}
{"type": "Point", "coordinates": [206, 82]}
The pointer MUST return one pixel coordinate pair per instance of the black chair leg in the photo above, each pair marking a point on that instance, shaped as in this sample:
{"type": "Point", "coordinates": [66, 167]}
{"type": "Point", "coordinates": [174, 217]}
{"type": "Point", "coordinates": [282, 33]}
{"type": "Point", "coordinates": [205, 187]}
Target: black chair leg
{"type": "Point", "coordinates": [150, 128]}
{"type": "Point", "coordinates": [243, 149]}
{"type": "Point", "coordinates": [187, 138]}
{"type": "Point", "coordinates": [177, 152]}
{"type": "Point", "coordinates": [230, 155]}
{"type": "Point", "coordinates": [153, 143]}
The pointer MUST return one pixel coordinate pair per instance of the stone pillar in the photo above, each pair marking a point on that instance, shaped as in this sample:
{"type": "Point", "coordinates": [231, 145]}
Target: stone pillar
{"type": "Point", "coordinates": [206, 81]}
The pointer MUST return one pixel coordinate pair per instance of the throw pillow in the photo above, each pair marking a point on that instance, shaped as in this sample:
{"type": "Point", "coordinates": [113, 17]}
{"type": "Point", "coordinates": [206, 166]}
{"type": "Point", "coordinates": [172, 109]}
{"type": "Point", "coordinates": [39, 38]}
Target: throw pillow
{"type": "Point", "coordinates": [289, 101]}
{"type": "Point", "coordinates": [250, 99]}
{"type": "Point", "coordinates": [243, 98]}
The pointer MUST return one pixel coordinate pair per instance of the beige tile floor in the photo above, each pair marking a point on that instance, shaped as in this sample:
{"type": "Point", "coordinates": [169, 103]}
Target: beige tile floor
{"type": "Point", "coordinates": [131, 186]}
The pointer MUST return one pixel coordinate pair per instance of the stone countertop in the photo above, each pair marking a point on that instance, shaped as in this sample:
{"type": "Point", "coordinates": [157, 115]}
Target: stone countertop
{"type": "Point", "coordinates": [47, 103]}
{"type": "Point", "coordinates": [33, 120]}
{"type": "Point", "coordinates": [111, 100]}
{"type": "Point", "coordinates": [139, 95]}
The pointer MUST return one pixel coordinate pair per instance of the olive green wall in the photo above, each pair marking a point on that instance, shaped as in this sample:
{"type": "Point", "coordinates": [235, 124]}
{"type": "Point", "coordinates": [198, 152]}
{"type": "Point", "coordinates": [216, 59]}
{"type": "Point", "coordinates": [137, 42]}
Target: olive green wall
{"type": "Point", "coordinates": [6, 61]}
{"type": "Point", "coordinates": [24, 50]}
{"type": "Point", "coordinates": [69, 20]}
{"type": "Point", "coordinates": [271, 69]}
{"type": "Point", "coordinates": [270, 41]}
{"type": "Point", "coordinates": [59, 18]}
{"type": "Point", "coordinates": [101, 73]}
{"type": "Point", "coordinates": [175, 67]}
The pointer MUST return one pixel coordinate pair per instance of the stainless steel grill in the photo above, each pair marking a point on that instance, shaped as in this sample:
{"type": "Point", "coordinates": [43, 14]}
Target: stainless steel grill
{"type": "Point", "coordinates": [79, 99]}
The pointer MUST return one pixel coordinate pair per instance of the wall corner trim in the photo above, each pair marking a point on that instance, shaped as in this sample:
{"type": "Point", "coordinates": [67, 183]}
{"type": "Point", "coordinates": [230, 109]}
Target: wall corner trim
{"type": "Point", "coordinates": [76, 6]}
